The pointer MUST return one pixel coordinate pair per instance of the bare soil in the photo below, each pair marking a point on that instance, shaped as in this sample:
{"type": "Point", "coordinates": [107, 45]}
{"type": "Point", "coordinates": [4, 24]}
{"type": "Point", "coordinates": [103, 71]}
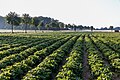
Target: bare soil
{"type": "Point", "coordinates": [86, 71]}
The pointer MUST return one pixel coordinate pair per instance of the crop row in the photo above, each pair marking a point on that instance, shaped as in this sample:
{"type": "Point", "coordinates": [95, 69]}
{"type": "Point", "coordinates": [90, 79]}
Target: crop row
{"type": "Point", "coordinates": [18, 69]}
{"type": "Point", "coordinates": [12, 40]}
{"type": "Point", "coordinates": [23, 54]}
{"type": "Point", "coordinates": [113, 44]}
{"type": "Point", "coordinates": [15, 41]}
{"type": "Point", "coordinates": [112, 56]}
{"type": "Point", "coordinates": [45, 70]}
{"type": "Point", "coordinates": [72, 69]}
{"type": "Point", "coordinates": [20, 43]}
{"type": "Point", "coordinates": [21, 48]}
{"type": "Point", "coordinates": [98, 68]}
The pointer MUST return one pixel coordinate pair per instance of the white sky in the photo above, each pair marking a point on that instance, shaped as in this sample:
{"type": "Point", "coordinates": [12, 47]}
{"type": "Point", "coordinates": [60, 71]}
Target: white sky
{"type": "Point", "coordinates": [99, 13]}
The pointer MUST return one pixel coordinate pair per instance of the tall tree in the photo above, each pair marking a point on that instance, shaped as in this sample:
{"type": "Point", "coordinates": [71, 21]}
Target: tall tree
{"type": "Point", "coordinates": [61, 25]}
{"type": "Point", "coordinates": [26, 19]}
{"type": "Point", "coordinates": [80, 27]}
{"type": "Point", "coordinates": [47, 26]}
{"type": "Point", "coordinates": [54, 25]}
{"type": "Point", "coordinates": [91, 28]}
{"type": "Point", "coordinates": [35, 22]}
{"type": "Point", "coordinates": [13, 19]}
{"type": "Point", "coordinates": [111, 28]}
{"type": "Point", "coordinates": [66, 26]}
{"type": "Point", "coordinates": [41, 24]}
{"type": "Point", "coordinates": [75, 27]}
{"type": "Point", "coordinates": [70, 26]}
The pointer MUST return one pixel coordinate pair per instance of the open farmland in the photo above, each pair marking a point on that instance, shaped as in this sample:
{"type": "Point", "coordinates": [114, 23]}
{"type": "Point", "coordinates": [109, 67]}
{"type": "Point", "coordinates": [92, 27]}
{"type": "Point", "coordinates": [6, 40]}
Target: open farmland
{"type": "Point", "coordinates": [60, 56]}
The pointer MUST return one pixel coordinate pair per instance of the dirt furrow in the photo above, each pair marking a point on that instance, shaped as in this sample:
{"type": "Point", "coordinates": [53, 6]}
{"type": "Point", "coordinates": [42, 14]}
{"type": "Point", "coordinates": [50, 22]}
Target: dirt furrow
{"type": "Point", "coordinates": [86, 71]}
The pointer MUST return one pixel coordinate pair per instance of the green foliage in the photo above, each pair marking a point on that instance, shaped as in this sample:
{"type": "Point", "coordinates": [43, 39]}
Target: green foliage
{"type": "Point", "coordinates": [13, 19]}
{"type": "Point", "coordinates": [47, 26]}
{"type": "Point", "coordinates": [97, 66]}
{"type": "Point", "coordinates": [50, 63]}
{"type": "Point", "coordinates": [73, 67]}
{"type": "Point", "coordinates": [40, 56]}
{"type": "Point", "coordinates": [35, 22]}
{"type": "Point", "coordinates": [41, 24]}
{"type": "Point", "coordinates": [61, 25]}
{"type": "Point", "coordinates": [26, 19]}
{"type": "Point", "coordinates": [111, 55]}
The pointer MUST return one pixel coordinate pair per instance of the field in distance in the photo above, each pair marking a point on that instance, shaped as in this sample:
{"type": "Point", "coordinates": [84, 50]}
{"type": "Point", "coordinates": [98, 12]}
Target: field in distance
{"type": "Point", "coordinates": [60, 56]}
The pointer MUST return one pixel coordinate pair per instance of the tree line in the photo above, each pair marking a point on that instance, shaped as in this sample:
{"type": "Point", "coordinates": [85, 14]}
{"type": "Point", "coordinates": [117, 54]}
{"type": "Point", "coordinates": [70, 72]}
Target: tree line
{"type": "Point", "coordinates": [39, 23]}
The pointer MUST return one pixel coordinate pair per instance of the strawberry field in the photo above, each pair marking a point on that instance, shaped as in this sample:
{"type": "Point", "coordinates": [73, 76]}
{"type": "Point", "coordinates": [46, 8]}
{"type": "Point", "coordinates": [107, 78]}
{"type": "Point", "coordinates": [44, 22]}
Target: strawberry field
{"type": "Point", "coordinates": [60, 56]}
